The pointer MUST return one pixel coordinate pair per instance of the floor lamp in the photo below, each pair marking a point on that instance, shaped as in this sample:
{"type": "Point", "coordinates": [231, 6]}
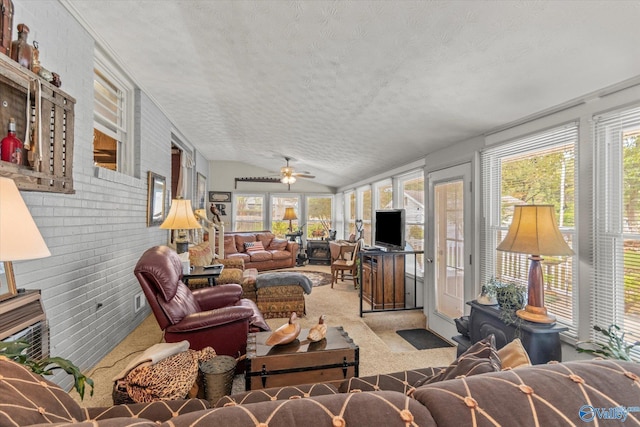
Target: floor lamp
{"type": "Point", "coordinates": [534, 231]}
{"type": "Point", "coordinates": [181, 218]}
{"type": "Point", "coordinates": [20, 238]}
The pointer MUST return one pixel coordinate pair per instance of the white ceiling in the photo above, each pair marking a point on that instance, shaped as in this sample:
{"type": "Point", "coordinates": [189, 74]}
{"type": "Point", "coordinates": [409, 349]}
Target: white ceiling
{"type": "Point", "coordinates": [350, 89]}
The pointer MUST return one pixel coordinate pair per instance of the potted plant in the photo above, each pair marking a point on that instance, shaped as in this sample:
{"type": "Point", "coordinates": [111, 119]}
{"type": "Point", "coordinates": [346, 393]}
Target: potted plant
{"type": "Point", "coordinates": [15, 350]}
{"type": "Point", "coordinates": [510, 297]}
{"type": "Point", "coordinates": [615, 347]}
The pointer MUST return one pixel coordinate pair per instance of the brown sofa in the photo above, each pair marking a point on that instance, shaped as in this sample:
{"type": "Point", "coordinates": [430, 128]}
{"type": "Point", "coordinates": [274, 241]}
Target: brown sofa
{"type": "Point", "coordinates": [474, 390]}
{"type": "Point", "coordinates": [277, 253]}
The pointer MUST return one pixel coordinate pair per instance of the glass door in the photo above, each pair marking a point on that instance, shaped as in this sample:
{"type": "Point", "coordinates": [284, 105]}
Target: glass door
{"type": "Point", "coordinates": [448, 278]}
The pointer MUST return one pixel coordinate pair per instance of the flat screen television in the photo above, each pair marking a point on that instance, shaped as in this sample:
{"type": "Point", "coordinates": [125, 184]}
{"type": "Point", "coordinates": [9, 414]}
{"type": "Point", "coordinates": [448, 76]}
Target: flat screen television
{"type": "Point", "coordinates": [389, 229]}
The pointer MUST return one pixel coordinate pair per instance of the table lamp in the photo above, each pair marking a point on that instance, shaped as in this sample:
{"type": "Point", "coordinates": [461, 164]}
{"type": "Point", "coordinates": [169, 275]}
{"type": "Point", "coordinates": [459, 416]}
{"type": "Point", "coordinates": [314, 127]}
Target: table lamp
{"type": "Point", "coordinates": [20, 238]}
{"type": "Point", "coordinates": [181, 218]}
{"type": "Point", "coordinates": [534, 231]}
{"type": "Point", "coordinates": [290, 215]}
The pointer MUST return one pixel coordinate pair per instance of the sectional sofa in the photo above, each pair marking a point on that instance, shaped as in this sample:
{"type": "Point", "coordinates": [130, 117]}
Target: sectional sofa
{"type": "Point", "coordinates": [476, 390]}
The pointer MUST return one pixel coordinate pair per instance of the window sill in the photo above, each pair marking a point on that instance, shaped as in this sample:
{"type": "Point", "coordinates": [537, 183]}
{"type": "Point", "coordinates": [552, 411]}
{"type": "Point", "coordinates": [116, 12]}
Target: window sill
{"type": "Point", "coordinates": [117, 177]}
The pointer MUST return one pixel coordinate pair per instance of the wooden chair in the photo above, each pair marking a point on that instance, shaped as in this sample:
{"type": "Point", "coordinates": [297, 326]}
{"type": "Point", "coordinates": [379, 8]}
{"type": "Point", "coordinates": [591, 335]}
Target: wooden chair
{"type": "Point", "coordinates": [349, 264]}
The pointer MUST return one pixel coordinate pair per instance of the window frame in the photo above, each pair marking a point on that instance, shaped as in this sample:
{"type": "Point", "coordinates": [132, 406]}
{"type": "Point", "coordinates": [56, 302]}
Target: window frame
{"type": "Point", "coordinates": [491, 169]}
{"type": "Point", "coordinates": [307, 197]}
{"type": "Point", "coordinates": [261, 196]}
{"type": "Point", "coordinates": [125, 147]}
{"type": "Point", "coordinates": [399, 189]}
{"type": "Point", "coordinates": [609, 231]}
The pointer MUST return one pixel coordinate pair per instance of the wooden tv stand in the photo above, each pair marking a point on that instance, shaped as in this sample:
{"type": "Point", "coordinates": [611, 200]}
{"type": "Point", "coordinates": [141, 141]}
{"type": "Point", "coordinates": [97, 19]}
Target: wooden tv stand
{"type": "Point", "coordinates": [383, 280]}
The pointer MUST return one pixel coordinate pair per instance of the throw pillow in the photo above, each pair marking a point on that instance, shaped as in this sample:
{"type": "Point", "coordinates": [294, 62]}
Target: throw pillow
{"type": "Point", "coordinates": [480, 358]}
{"type": "Point", "coordinates": [230, 245]}
{"type": "Point", "coordinates": [514, 355]}
{"type": "Point", "coordinates": [200, 255]}
{"type": "Point", "coordinates": [241, 239]}
{"type": "Point", "coordinates": [253, 247]}
{"type": "Point", "coordinates": [278, 245]}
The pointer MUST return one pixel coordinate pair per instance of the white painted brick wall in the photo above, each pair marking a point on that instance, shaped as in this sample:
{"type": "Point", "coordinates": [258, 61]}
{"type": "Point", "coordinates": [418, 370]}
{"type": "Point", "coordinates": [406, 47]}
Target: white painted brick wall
{"type": "Point", "coordinates": [97, 234]}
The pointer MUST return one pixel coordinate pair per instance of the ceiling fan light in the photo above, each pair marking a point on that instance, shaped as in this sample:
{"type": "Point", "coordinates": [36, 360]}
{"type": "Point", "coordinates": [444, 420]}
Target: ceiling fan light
{"type": "Point", "coordinates": [288, 179]}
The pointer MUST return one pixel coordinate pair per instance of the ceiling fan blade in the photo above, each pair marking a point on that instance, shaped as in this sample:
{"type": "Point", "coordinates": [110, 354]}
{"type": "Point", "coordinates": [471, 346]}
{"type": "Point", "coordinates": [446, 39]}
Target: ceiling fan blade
{"type": "Point", "coordinates": [303, 175]}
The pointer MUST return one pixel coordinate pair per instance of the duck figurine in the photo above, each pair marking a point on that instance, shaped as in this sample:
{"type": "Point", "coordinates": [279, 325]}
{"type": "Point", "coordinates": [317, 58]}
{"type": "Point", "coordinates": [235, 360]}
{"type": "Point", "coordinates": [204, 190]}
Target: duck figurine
{"type": "Point", "coordinates": [285, 333]}
{"type": "Point", "coordinates": [319, 331]}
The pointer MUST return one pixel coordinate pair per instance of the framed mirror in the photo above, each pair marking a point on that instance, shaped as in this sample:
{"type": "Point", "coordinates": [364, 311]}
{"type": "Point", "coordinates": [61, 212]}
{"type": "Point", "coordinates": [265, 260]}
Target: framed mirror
{"type": "Point", "coordinates": [157, 190]}
{"type": "Point", "coordinates": [7, 281]}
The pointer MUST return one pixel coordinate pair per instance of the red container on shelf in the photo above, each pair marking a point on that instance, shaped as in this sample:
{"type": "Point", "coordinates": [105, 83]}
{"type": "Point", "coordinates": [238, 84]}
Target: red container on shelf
{"type": "Point", "coordinates": [11, 146]}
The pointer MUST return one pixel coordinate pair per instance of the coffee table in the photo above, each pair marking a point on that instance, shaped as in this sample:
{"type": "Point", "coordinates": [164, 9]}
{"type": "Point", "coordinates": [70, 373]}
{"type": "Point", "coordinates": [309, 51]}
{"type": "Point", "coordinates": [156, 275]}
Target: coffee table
{"type": "Point", "coordinates": [333, 359]}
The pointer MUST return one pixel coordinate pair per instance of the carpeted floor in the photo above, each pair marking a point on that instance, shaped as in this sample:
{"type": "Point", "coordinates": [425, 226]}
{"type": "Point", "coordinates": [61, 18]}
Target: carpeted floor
{"type": "Point", "coordinates": [381, 348]}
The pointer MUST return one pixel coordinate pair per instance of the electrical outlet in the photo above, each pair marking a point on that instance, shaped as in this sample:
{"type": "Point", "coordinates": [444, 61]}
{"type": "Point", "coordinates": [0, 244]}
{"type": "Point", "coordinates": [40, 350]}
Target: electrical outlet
{"type": "Point", "coordinates": [138, 302]}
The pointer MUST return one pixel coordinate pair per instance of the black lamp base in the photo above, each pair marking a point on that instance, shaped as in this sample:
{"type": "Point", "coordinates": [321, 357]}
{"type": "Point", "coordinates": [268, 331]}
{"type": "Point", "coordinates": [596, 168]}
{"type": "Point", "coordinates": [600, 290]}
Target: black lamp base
{"type": "Point", "coordinates": [182, 247]}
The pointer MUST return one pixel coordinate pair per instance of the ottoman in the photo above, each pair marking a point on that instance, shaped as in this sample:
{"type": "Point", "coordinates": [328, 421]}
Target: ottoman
{"type": "Point", "coordinates": [280, 294]}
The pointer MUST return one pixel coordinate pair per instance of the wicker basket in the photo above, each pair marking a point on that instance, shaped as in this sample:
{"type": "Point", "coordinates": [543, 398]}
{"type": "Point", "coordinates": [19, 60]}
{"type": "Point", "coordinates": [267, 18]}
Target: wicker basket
{"type": "Point", "coordinates": [218, 377]}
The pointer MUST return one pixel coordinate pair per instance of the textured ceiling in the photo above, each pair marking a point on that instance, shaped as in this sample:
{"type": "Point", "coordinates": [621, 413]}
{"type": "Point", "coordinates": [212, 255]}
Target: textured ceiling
{"type": "Point", "coordinates": [350, 89]}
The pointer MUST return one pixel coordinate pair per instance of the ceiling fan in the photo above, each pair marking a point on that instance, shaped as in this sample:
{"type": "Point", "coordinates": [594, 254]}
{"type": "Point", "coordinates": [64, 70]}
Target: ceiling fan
{"type": "Point", "coordinates": [288, 175]}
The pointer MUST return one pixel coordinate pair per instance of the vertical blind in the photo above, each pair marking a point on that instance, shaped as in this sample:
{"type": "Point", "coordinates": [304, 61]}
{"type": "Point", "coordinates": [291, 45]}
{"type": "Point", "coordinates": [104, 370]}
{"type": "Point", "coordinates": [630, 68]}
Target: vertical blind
{"type": "Point", "coordinates": [615, 286]}
{"type": "Point", "coordinates": [538, 169]}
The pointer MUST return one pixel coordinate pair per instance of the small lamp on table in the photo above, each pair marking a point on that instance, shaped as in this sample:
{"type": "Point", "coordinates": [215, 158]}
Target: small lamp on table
{"type": "Point", "coordinates": [534, 231]}
{"type": "Point", "coordinates": [181, 218]}
{"type": "Point", "coordinates": [290, 215]}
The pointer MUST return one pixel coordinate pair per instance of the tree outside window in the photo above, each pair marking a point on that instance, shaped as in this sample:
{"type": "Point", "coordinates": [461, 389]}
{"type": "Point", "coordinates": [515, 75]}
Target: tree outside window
{"type": "Point", "coordinates": [319, 210]}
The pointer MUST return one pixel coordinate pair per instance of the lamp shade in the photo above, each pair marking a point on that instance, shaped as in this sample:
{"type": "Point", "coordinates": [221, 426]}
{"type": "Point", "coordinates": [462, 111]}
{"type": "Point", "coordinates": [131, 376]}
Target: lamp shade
{"type": "Point", "coordinates": [20, 238]}
{"type": "Point", "coordinates": [289, 214]}
{"type": "Point", "coordinates": [180, 216]}
{"type": "Point", "coordinates": [534, 231]}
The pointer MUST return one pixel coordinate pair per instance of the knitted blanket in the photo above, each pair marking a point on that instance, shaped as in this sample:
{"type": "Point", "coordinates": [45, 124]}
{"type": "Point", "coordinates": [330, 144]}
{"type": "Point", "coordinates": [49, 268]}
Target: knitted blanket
{"type": "Point", "coordinates": [284, 278]}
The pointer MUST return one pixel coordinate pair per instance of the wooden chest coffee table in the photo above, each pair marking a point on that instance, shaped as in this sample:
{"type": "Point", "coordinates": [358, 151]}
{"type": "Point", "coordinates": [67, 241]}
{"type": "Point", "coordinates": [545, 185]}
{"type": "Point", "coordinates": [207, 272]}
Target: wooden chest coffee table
{"type": "Point", "coordinates": [333, 359]}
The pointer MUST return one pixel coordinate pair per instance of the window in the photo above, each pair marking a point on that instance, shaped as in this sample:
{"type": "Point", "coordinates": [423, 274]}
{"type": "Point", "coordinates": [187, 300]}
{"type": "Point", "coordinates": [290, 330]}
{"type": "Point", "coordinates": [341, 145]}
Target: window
{"type": "Point", "coordinates": [350, 214]}
{"type": "Point", "coordinates": [384, 195]}
{"type": "Point", "coordinates": [536, 170]}
{"type": "Point", "coordinates": [249, 212]}
{"type": "Point", "coordinates": [112, 112]}
{"type": "Point", "coordinates": [615, 288]}
{"type": "Point", "coordinates": [319, 209]}
{"type": "Point", "coordinates": [412, 190]}
{"type": "Point", "coordinates": [364, 213]}
{"type": "Point", "coordinates": [279, 226]}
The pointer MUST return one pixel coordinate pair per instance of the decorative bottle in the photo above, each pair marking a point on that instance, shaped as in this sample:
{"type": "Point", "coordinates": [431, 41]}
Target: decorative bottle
{"type": "Point", "coordinates": [11, 146]}
{"type": "Point", "coordinates": [21, 51]}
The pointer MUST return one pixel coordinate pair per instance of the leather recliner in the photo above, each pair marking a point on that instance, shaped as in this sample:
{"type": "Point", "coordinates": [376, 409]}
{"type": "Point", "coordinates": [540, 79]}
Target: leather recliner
{"type": "Point", "coordinates": [216, 316]}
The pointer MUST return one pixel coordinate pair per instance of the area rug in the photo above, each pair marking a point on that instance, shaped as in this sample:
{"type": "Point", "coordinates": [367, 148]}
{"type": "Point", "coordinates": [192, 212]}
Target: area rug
{"type": "Point", "coordinates": [318, 278]}
{"type": "Point", "coordinates": [423, 339]}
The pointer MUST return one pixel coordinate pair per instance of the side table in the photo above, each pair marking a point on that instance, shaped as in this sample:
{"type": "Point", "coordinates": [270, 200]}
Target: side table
{"type": "Point", "coordinates": [542, 341]}
{"type": "Point", "coordinates": [211, 274]}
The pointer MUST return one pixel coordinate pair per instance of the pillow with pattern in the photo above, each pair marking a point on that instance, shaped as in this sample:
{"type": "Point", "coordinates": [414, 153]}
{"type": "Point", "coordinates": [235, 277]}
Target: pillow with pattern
{"type": "Point", "coordinates": [253, 247]}
{"type": "Point", "coordinates": [480, 358]}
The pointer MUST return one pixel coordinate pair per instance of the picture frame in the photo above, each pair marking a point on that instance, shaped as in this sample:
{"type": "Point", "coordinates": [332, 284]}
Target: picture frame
{"type": "Point", "coordinates": [220, 196]}
{"type": "Point", "coordinates": [156, 199]}
{"type": "Point", "coordinates": [7, 281]}
{"type": "Point", "coordinates": [201, 191]}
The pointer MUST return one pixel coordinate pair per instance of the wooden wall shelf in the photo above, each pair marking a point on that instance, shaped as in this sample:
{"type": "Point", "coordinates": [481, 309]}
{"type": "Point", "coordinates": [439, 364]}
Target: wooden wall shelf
{"type": "Point", "coordinates": [45, 118]}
